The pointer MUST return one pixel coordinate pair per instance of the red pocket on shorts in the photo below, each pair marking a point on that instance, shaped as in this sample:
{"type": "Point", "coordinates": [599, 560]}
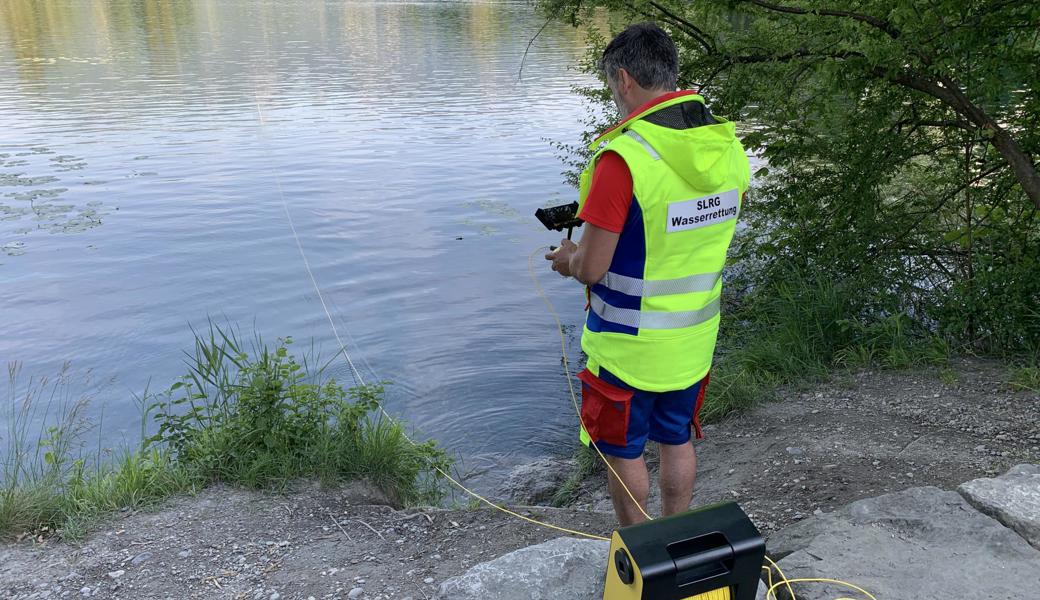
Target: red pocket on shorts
{"type": "Point", "coordinates": [605, 409]}
{"type": "Point", "coordinates": [697, 407]}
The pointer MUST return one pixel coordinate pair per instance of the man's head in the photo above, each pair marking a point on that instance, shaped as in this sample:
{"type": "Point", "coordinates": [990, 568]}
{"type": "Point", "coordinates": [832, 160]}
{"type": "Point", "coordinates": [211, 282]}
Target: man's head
{"type": "Point", "coordinates": [640, 64]}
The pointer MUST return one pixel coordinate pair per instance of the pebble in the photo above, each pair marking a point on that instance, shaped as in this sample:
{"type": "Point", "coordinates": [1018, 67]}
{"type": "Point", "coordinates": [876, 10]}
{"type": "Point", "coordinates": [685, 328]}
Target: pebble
{"type": "Point", "coordinates": [116, 574]}
{"type": "Point", "coordinates": [140, 558]}
{"type": "Point", "coordinates": [428, 580]}
{"type": "Point", "coordinates": [85, 591]}
{"type": "Point", "coordinates": [795, 451]}
{"type": "Point", "coordinates": [184, 553]}
{"type": "Point", "coordinates": [275, 596]}
{"type": "Point", "coordinates": [355, 593]}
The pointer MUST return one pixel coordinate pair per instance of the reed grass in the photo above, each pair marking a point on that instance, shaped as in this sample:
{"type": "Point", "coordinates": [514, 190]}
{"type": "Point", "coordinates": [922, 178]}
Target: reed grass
{"type": "Point", "coordinates": [243, 415]}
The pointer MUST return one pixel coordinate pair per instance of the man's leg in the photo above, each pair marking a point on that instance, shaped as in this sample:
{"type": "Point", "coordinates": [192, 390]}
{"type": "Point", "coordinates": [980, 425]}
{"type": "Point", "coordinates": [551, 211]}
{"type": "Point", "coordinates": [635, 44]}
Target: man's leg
{"type": "Point", "coordinates": [678, 470]}
{"type": "Point", "coordinates": [633, 472]}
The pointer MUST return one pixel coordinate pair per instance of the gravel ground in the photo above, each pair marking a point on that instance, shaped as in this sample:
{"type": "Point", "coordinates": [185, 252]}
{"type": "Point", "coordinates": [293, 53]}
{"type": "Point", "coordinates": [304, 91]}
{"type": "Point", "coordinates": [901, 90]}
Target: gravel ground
{"type": "Point", "coordinates": [861, 435]}
{"type": "Point", "coordinates": [310, 543]}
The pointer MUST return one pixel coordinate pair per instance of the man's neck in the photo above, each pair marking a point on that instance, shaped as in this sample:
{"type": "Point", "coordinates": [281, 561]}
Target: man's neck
{"type": "Point", "coordinates": [642, 97]}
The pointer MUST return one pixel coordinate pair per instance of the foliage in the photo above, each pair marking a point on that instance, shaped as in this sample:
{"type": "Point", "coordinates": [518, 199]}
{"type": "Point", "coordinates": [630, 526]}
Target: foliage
{"type": "Point", "coordinates": [261, 420]}
{"type": "Point", "coordinates": [900, 139]}
{"type": "Point", "coordinates": [49, 485]}
{"type": "Point", "coordinates": [799, 328]}
{"type": "Point", "coordinates": [1025, 377]}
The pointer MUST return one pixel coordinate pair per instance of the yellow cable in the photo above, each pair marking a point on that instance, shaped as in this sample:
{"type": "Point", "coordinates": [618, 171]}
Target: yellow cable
{"type": "Point", "coordinates": [783, 578]}
{"type": "Point", "coordinates": [574, 400]}
{"type": "Point", "coordinates": [567, 371]}
{"type": "Point", "coordinates": [357, 374]}
{"type": "Point", "coordinates": [783, 581]}
{"type": "Point", "coordinates": [819, 580]}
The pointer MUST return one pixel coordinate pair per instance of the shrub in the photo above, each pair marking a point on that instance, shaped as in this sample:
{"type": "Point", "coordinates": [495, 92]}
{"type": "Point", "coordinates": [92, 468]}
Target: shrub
{"type": "Point", "coordinates": [261, 419]}
{"type": "Point", "coordinates": [258, 419]}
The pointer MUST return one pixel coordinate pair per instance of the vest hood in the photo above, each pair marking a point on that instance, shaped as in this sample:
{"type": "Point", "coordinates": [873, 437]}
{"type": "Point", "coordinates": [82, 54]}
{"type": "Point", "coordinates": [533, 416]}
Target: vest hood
{"type": "Point", "coordinates": [703, 156]}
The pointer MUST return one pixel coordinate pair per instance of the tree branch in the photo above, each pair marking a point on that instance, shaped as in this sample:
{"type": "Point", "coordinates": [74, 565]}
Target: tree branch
{"type": "Point", "coordinates": [873, 21]}
{"type": "Point", "coordinates": [950, 93]}
{"type": "Point", "coordinates": [695, 32]}
{"type": "Point", "coordinates": [800, 53]}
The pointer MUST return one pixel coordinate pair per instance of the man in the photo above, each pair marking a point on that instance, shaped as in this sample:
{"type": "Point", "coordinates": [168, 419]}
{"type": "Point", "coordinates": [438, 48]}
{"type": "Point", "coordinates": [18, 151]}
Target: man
{"type": "Point", "coordinates": [660, 199]}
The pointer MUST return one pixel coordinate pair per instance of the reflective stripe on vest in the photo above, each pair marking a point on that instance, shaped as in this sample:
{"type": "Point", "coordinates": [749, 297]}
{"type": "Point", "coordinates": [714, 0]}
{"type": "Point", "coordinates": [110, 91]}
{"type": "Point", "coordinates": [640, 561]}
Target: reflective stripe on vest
{"type": "Point", "coordinates": [654, 317]}
{"type": "Point", "coordinates": [633, 286]}
{"type": "Point", "coordinates": [645, 319]}
{"type": "Point", "coordinates": [650, 149]}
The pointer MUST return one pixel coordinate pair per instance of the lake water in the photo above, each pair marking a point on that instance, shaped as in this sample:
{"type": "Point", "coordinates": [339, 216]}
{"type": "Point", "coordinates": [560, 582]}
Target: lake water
{"type": "Point", "coordinates": [140, 193]}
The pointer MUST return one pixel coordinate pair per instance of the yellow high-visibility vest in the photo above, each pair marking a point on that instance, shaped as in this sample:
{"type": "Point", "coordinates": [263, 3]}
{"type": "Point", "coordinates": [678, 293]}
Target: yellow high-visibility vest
{"type": "Point", "coordinates": [654, 318]}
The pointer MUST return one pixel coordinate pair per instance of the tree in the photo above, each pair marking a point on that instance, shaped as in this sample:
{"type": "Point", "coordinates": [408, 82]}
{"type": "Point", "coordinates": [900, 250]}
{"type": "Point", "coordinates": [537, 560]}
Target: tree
{"type": "Point", "coordinates": [901, 138]}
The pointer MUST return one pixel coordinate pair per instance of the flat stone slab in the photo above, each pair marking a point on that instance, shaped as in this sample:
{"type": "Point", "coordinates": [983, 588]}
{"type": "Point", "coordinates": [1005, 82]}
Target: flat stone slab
{"type": "Point", "coordinates": [918, 544]}
{"type": "Point", "coordinates": [561, 568]}
{"type": "Point", "coordinates": [1013, 499]}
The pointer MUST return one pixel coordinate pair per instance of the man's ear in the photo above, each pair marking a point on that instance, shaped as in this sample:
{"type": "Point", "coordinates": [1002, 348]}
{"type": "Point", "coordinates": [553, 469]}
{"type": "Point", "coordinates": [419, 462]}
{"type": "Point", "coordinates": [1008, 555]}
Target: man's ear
{"type": "Point", "coordinates": [624, 80]}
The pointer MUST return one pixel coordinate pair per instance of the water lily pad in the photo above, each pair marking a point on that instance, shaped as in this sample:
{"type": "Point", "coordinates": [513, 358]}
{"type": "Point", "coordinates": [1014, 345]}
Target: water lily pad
{"type": "Point", "coordinates": [19, 179]}
{"type": "Point", "coordinates": [10, 213]}
{"type": "Point", "coordinates": [13, 248]}
{"type": "Point", "coordinates": [498, 208]}
{"type": "Point", "coordinates": [33, 195]}
{"type": "Point", "coordinates": [47, 211]}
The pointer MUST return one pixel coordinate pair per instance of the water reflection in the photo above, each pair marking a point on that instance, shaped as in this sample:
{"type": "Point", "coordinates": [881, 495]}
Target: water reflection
{"type": "Point", "coordinates": [407, 152]}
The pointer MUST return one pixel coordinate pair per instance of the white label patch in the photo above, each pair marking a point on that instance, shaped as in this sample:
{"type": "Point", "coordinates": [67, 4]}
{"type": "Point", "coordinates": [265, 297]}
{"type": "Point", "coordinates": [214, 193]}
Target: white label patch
{"type": "Point", "coordinates": [704, 211]}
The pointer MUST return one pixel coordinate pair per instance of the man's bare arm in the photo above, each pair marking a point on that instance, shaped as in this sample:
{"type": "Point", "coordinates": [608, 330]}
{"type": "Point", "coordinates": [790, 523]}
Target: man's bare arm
{"type": "Point", "coordinates": [592, 259]}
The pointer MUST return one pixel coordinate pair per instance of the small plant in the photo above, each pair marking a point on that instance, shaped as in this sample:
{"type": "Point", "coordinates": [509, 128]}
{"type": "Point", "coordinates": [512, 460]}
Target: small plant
{"type": "Point", "coordinates": [49, 486]}
{"type": "Point", "coordinates": [1025, 378]}
{"type": "Point", "coordinates": [260, 419]}
{"type": "Point", "coordinates": [948, 376]}
{"type": "Point", "coordinates": [587, 463]}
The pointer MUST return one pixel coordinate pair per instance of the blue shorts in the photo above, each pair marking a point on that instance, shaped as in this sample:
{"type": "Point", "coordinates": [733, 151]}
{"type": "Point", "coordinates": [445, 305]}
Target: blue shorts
{"type": "Point", "coordinates": [620, 418]}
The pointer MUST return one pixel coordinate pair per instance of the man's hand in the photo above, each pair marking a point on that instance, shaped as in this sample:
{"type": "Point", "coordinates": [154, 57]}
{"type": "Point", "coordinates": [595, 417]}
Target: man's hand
{"type": "Point", "coordinates": [587, 263]}
{"type": "Point", "coordinates": [561, 257]}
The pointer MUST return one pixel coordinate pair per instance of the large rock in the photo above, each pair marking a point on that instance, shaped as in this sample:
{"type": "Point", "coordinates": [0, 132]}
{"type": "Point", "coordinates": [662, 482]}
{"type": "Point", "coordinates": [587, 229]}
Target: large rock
{"type": "Point", "coordinates": [536, 482]}
{"type": "Point", "coordinates": [1013, 499]}
{"type": "Point", "coordinates": [561, 568]}
{"type": "Point", "coordinates": [918, 544]}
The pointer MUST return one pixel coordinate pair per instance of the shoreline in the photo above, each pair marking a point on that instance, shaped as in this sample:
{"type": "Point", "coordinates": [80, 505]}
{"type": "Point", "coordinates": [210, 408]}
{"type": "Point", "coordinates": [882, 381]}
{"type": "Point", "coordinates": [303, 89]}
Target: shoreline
{"type": "Point", "coordinates": [327, 542]}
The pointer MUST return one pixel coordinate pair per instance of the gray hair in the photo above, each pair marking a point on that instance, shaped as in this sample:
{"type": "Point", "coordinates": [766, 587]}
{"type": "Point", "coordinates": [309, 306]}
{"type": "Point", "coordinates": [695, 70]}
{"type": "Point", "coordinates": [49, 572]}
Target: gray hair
{"type": "Point", "coordinates": [647, 53]}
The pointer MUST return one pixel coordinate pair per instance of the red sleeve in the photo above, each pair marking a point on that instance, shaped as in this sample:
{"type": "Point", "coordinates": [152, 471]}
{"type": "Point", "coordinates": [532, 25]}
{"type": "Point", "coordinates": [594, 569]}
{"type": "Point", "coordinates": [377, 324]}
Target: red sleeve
{"type": "Point", "coordinates": [610, 194]}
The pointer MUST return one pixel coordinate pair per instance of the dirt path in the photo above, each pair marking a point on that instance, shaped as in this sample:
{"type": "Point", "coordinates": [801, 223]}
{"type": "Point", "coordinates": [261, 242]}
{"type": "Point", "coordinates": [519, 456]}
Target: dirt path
{"type": "Point", "coordinates": [227, 543]}
{"type": "Point", "coordinates": [863, 435]}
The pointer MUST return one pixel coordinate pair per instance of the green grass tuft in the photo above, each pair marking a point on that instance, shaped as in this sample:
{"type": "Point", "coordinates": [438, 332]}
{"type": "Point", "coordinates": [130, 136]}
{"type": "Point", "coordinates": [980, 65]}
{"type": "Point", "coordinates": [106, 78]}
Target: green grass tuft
{"type": "Point", "coordinates": [1025, 377]}
{"type": "Point", "coordinates": [798, 331]}
{"type": "Point", "coordinates": [255, 418]}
